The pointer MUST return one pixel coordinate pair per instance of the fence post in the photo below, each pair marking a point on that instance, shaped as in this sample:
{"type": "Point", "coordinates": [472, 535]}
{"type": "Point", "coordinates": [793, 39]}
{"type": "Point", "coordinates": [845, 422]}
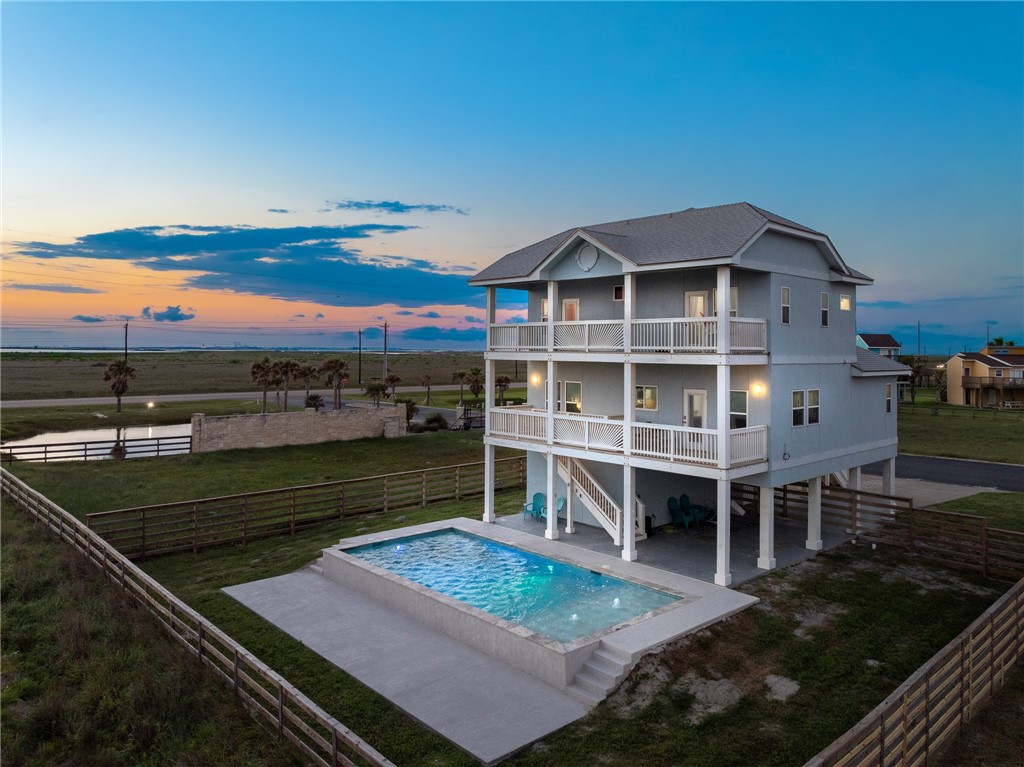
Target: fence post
{"type": "Point", "coordinates": [984, 546]}
{"type": "Point", "coordinates": [280, 707]}
{"type": "Point", "coordinates": [385, 493]}
{"type": "Point", "coordinates": [785, 501]}
{"type": "Point", "coordinates": [293, 511]}
{"type": "Point", "coordinates": [458, 482]}
{"type": "Point", "coordinates": [341, 501]}
{"type": "Point", "coordinates": [234, 677]}
{"type": "Point", "coordinates": [245, 520]}
{"type": "Point", "coordinates": [199, 632]}
{"type": "Point", "coordinates": [142, 520]}
{"type": "Point", "coordinates": [522, 471]}
{"type": "Point", "coordinates": [195, 528]}
{"type": "Point", "coordinates": [423, 499]}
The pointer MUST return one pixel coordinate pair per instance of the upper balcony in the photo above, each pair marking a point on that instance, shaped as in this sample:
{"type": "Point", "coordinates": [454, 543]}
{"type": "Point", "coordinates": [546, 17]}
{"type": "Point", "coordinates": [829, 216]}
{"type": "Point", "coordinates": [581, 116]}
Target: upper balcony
{"type": "Point", "coordinates": [679, 335]}
{"type": "Point", "coordinates": [607, 434]}
{"type": "Point", "coordinates": [999, 382]}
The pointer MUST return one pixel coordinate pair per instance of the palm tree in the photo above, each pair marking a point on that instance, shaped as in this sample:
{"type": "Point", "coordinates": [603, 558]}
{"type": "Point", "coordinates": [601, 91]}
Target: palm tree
{"type": "Point", "coordinates": [392, 382]}
{"type": "Point", "coordinates": [501, 383]}
{"type": "Point", "coordinates": [459, 377]}
{"type": "Point", "coordinates": [315, 401]}
{"type": "Point", "coordinates": [335, 373]}
{"type": "Point", "coordinates": [119, 373]}
{"type": "Point", "coordinates": [262, 373]}
{"type": "Point", "coordinates": [475, 381]}
{"type": "Point", "coordinates": [425, 382]}
{"type": "Point", "coordinates": [376, 389]}
{"type": "Point", "coordinates": [286, 370]}
{"type": "Point", "coordinates": [306, 373]}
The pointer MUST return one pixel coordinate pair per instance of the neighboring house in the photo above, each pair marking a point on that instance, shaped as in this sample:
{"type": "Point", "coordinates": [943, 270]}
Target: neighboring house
{"type": "Point", "coordinates": [680, 353]}
{"type": "Point", "coordinates": [879, 343]}
{"type": "Point", "coordinates": [993, 377]}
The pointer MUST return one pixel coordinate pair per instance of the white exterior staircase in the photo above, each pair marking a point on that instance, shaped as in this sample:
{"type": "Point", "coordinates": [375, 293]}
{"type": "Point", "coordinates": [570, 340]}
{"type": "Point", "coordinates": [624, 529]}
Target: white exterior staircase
{"type": "Point", "coordinates": [598, 501]}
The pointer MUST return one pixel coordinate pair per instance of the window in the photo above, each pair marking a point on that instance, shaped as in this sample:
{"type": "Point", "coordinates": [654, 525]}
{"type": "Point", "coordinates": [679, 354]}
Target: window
{"type": "Point", "coordinates": [824, 310]}
{"type": "Point", "coordinates": [734, 302]}
{"type": "Point", "coordinates": [798, 408]}
{"type": "Point", "coordinates": [543, 310]}
{"type": "Point", "coordinates": [785, 306]}
{"type": "Point", "coordinates": [999, 373]}
{"type": "Point", "coordinates": [618, 292]}
{"type": "Point", "coordinates": [737, 410]}
{"type": "Point", "coordinates": [845, 303]}
{"type": "Point", "coordinates": [570, 310]}
{"type": "Point", "coordinates": [888, 398]}
{"type": "Point", "coordinates": [646, 397]}
{"type": "Point", "coordinates": [812, 407]}
{"type": "Point", "coordinates": [573, 397]}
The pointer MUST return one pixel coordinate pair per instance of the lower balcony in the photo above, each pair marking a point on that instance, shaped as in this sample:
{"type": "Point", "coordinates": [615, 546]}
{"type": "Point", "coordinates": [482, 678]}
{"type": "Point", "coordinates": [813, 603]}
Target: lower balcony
{"type": "Point", "coordinates": [673, 444]}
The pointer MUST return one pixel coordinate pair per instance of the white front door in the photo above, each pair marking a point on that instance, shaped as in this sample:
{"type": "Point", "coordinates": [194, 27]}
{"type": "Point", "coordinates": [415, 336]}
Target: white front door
{"type": "Point", "coordinates": [696, 303]}
{"type": "Point", "coordinates": [570, 310]}
{"type": "Point", "coordinates": [694, 408]}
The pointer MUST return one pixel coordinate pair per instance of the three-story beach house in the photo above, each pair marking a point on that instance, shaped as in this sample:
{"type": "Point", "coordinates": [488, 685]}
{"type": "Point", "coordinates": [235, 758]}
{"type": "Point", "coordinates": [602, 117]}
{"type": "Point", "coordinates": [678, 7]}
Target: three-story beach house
{"type": "Point", "coordinates": [676, 354]}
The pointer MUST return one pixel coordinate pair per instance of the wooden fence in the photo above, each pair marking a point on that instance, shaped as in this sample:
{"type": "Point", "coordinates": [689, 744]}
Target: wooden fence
{"type": "Point", "coordinates": [199, 524]}
{"type": "Point", "coordinates": [322, 739]}
{"type": "Point", "coordinates": [963, 541]}
{"type": "Point", "coordinates": [915, 722]}
{"type": "Point", "coordinates": [96, 450]}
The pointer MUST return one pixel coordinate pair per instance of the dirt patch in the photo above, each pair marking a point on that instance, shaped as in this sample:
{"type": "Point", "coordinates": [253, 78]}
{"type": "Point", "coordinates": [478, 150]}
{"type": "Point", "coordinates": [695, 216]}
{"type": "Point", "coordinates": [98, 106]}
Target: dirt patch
{"type": "Point", "coordinates": [710, 696]}
{"type": "Point", "coordinates": [780, 688]}
{"type": "Point", "coordinates": [933, 579]}
{"type": "Point", "coordinates": [647, 679]}
{"type": "Point", "coordinates": [815, 615]}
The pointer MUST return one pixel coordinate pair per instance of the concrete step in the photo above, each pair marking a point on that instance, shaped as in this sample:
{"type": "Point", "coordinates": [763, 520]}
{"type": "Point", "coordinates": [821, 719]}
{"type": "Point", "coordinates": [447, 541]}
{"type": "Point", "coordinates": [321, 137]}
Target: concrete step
{"type": "Point", "coordinates": [606, 668]}
{"type": "Point", "coordinates": [585, 696]}
{"type": "Point", "coordinates": [606, 651]}
{"type": "Point", "coordinates": [590, 682]}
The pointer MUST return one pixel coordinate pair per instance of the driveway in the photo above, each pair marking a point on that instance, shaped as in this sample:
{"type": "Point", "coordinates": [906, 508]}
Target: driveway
{"type": "Point", "coordinates": [952, 471]}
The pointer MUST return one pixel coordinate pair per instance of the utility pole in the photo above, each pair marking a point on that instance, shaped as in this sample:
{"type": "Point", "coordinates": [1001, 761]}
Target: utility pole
{"type": "Point", "coordinates": [126, 343]}
{"type": "Point", "coordinates": [360, 374]}
{"type": "Point", "coordinates": [385, 350]}
{"type": "Point", "coordinates": [919, 338]}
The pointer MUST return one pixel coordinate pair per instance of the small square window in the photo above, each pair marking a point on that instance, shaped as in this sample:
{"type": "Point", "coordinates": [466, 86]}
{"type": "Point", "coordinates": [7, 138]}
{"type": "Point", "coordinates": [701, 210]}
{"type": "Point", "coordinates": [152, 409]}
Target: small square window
{"type": "Point", "coordinates": [618, 292]}
{"type": "Point", "coordinates": [845, 303]}
{"type": "Point", "coordinates": [798, 408]}
{"type": "Point", "coordinates": [646, 397]}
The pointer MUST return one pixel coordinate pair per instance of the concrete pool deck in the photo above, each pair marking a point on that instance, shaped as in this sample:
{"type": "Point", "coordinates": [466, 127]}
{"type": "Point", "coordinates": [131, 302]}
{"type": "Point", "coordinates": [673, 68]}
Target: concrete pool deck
{"type": "Point", "coordinates": [484, 706]}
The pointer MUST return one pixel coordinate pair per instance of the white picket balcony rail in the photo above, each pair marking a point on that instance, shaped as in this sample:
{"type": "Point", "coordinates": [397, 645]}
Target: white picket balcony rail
{"type": "Point", "coordinates": [680, 335]}
{"type": "Point", "coordinates": [667, 443]}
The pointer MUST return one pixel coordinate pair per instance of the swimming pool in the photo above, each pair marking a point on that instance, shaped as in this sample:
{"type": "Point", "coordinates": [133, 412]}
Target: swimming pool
{"type": "Point", "coordinates": [556, 599]}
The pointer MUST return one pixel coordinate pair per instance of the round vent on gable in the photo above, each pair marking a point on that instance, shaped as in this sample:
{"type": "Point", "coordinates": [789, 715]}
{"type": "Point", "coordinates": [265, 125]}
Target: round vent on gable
{"type": "Point", "coordinates": [586, 257]}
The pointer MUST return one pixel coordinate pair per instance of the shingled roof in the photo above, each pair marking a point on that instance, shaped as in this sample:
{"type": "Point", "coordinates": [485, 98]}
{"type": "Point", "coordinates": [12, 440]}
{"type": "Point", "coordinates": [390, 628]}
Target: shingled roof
{"type": "Point", "coordinates": [695, 234]}
{"type": "Point", "coordinates": [880, 341]}
{"type": "Point", "coordinates": [870, 363]}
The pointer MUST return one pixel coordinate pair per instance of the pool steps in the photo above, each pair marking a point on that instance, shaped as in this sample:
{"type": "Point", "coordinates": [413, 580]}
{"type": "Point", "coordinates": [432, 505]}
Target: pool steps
{"type": "Point", "coordinates": [600, 674]}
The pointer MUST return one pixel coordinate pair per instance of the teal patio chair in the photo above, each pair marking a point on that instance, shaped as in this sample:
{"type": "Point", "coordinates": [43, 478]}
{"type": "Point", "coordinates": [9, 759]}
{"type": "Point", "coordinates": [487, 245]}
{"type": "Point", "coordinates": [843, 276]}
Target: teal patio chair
{"type": "Point", "coordinates": [681, 515]}
{"type": "Point", "coordinates": [698, 512]}
{"type": "Point", "coordinates": [535, 508]}
{"type": "Point", "coordinates": [559, 508]}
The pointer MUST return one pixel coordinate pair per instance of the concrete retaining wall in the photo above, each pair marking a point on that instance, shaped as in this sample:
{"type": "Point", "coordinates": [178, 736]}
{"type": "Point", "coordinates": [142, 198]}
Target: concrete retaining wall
{"type": "Point", "coordinates": [304, 427]}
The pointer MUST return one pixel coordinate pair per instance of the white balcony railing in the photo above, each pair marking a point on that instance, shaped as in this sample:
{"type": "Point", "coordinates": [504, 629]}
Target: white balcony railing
{"type": "Point", "coordinates": [667, 443]}
{"type": "Point", "coordinates": [681, 335]}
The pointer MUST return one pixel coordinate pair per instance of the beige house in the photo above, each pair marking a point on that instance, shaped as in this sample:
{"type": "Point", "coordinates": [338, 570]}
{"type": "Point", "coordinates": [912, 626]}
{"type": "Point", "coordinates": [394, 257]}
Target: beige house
{"type": "Point", "coordinates": [993, 377]}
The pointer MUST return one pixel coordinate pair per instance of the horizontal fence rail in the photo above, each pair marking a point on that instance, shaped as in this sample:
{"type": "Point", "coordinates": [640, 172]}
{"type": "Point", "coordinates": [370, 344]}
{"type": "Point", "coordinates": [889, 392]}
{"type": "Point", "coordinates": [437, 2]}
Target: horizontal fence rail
{"type": "Point", "coordinates": [193, 525]}
{"type": "Point", "coordinates": [96, 450]}
{"type": "Point", "coordinates": [280, 706]}
{"type": "Point", "coordinates": [913, 724]}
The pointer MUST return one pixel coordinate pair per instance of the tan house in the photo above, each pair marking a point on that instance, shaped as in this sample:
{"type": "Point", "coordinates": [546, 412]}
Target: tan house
{"type": "Point", "coordinates": [993, 377]}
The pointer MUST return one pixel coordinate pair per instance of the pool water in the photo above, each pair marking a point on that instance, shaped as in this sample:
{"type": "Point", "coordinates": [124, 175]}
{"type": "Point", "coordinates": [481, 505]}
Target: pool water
{"type": "Point", "coordinates": [559, 600]}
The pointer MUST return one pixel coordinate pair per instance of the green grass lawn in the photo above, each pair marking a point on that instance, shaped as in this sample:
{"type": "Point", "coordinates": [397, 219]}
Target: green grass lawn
{"type": "Point", "coordinates": [91, 679]}
{"type": "Point", "coordinates": [958, 432]}
{"type": "Point", "coordinates": [1003, 510]}
{"type": "Point", "coordinates": [85, 487]}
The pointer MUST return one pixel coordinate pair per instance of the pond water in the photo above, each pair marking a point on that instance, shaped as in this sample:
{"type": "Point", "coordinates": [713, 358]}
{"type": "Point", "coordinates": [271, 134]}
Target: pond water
{"type": "Point", "coordinates": [96, 444]}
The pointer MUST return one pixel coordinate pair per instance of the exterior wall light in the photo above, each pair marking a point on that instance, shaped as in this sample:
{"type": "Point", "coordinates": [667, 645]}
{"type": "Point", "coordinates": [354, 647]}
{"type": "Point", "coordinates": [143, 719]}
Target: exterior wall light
{"type": "Point", "coordinates": [535, 379]}
{"type": "Point", "coordinates": [757, 389]}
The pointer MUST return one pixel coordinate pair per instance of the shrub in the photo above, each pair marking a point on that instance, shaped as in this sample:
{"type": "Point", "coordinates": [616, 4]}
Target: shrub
{"type": "Point", "coordinates": [436, 422]}
{"type": "Point", "coordinates": [410, 408]}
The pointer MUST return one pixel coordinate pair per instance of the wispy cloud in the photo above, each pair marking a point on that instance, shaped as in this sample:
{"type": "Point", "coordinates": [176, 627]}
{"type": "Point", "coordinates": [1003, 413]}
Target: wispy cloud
{"type": "Point", "coordinates": [279, 210]}
{"type": "Point", "coordinates": [302, 263]}
{"type": "Point", "coordinates": [88, 318]}
{"type": "Point", "coordinates": [474, 320]}
{"type": "Point", "coordinates": [50, 288]}
{"type": "Point", "coordinates": [394, 206]}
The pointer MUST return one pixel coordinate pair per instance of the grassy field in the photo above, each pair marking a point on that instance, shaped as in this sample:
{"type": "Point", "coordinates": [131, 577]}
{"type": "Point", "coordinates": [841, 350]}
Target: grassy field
{"type": "Point", "coordinates": [1003, 510]}
{"type": "Point", "coordinates": [89, 679]}
{"type": "Point", "coordinates": [82, 488]}
{"type": "Point", "coordinates": [958, 432]}
{"type": "Point", "coordinates": [68, 374]}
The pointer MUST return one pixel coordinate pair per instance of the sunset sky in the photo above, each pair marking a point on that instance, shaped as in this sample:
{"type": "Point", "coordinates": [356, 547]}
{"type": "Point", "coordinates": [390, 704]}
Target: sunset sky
{"type": "Point", "coordinates": [285, 174]}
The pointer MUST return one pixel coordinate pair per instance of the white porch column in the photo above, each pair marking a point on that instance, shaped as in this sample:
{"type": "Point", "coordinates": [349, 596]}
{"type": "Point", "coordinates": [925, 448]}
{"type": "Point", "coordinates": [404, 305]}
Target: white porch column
{"type": "Point", "coordinates": [553, 308]}
{"type": "Point", "coordinates": [814, 514]}
{"type": "Point", "coordinates": [853, 478]}
{"type": "Point", "coordinates": [488, 482]}
{"type": "Point", "coordinates": [723, 575]}
{"type": "Point", "coordinates": [551, 532]}
{"type": "Point", "coordinates": [628, 513]}
{"type": "Point", "coordinates": [766, 503]}
{"type": "Point", "coordinates": [722, 316]}
{"type": "Point", "coordinates": [628, 310]}
{"type": "Point", "coordinates": [489, 370]}
{"type": "Point", "coordinates": [552, 402]}
{"type": "Point", "coordinates": [570, 503]}
{"type": "Point", "coordinates": [628, 401]}
{"type": "Point", "coordinates": [489, 314]}
{"type": "Point", "coordinates": [724, 383]}
{"type": "Point", "coordinates": [889, 476]}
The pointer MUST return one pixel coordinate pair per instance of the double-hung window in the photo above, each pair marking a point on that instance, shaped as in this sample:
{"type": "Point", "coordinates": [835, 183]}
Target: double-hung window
{"type": "Point", "coordinates": [798, 407]}
{"type": "Point", "coordinates": [813, 408]}
{"type": "Point", "coordinates": [573, 397]}
{"type": "Point", "coordinates": [888, 398]}
{"type": "Point", "coordinates": [785, 306]}
{"type": "Point", "coordinates": [737, 409]}
{"type": "Point", "coordinates": [806, 407]}
{"type": "Point", "coordinates": [734, 301]}
{"type": "Point", "coordinates": [544, 310]}
{"type": "Point", "coordinates": [824, 310]}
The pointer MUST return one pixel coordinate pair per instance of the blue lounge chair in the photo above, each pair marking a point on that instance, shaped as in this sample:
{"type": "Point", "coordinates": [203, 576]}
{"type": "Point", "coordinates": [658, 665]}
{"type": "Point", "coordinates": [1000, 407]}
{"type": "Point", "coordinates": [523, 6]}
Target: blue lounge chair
{"type": "Point", "coordinates": [559, 508]}
{"type": "Point", "coordinates": [535, 508]}
{"type": "Point", "coordinates": [681, 515]}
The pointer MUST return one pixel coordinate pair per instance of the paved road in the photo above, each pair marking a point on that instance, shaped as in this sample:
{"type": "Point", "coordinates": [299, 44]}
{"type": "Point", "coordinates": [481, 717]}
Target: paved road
{"type": "Point", "coordinates": [951, 471]}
